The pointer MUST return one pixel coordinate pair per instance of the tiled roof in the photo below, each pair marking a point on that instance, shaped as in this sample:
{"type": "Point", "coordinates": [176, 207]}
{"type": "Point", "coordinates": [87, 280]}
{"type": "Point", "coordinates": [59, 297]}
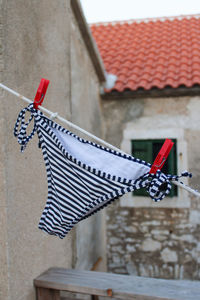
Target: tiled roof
{"type": "Point", "coordinates": [151, 53]}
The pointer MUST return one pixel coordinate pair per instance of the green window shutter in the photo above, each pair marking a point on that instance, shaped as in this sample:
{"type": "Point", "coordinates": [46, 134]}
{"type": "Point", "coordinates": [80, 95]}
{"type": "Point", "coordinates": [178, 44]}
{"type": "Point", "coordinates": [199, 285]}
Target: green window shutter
{"type": "Point", "coordinates": [147, 150]}
{"type": "Point", "coordinates": [142, 149]}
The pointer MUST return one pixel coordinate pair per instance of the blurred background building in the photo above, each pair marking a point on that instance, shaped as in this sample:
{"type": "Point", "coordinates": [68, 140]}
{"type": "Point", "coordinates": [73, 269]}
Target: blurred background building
{"type": "Point", "coordinates": [43, 39]}
{"type": "Point", "coordinates": [133, 83]}
{"type": "Point", "coordinates": [155, 64]}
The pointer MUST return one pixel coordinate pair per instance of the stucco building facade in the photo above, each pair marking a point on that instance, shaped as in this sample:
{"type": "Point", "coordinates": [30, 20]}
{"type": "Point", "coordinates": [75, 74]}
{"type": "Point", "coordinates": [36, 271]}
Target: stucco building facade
{"type": "Point", "coordinates": [156, 239]}
{"type": "Point", "coordinates": [43, 39]}
{"type": "Point", "coordinates": [154, 95]}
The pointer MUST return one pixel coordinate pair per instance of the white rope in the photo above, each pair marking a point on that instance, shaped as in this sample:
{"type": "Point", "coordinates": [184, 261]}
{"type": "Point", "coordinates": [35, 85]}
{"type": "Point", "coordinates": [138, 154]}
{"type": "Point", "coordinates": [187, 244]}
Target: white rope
{"type": "Point", "coordinates": [56, 115]}
{"type": "Point", "coordinates": [186, 187]}
{"type": "Point", "coordinates": [53, 116]}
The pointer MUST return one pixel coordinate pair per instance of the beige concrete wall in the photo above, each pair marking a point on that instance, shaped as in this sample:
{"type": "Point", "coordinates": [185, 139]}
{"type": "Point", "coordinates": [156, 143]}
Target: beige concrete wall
{"type": "Point", "coordinates": [36, 43]}
{"type": "Point", "coordinates": [156, 239]}
{"type": "Point", "coordinates": [86, 112]}
{"type": "Point", "coordinates": [3, 207]}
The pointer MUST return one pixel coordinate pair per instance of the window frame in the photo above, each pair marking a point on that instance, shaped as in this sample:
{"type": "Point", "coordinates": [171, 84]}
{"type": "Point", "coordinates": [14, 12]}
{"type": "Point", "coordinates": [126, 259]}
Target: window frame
{"type": "Point", "coordinates": [149, 157]}
{"type": "Point", "coordinates": [182, 200]}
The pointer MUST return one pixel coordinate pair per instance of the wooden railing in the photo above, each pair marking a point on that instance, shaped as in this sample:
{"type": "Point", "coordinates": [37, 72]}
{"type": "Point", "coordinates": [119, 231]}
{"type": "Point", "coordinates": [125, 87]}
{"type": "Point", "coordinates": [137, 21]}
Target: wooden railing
{"type": "Point", "coordinates": [50, 283]}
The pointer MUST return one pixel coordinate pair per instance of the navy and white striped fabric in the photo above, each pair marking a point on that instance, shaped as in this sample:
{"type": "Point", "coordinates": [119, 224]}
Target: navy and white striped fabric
{"type": "Point", "coordinates": [83, 177]}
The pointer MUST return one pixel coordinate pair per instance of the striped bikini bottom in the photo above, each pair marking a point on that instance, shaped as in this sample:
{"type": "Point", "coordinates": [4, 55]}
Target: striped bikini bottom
{"type": "Point", "coordinates": [83, 177]}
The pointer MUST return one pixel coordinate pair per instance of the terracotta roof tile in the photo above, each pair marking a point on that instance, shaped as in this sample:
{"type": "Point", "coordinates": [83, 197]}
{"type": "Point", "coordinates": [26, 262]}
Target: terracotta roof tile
{"type": "Point", "coordinates": [151, 53]}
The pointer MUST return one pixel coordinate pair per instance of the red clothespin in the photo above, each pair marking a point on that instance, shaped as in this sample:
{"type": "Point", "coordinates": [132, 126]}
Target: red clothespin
{"type": "Point", "coordinates": [162, 156]}
{"type": "Point", "coordinates": [39, 97]}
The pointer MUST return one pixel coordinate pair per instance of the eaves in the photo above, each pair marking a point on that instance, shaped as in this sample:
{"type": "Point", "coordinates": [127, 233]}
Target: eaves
{"type": "Point", "coordinates": [153, 93]}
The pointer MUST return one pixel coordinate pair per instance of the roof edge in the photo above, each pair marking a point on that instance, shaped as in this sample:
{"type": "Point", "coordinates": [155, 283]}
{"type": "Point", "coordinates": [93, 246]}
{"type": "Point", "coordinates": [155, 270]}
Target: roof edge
{"type": "Point", "coordinates": [146, 20]}
{"type": "Point", "coordinates": [88, 39]}
{"type": "Point", "coordinates": [153, 93]}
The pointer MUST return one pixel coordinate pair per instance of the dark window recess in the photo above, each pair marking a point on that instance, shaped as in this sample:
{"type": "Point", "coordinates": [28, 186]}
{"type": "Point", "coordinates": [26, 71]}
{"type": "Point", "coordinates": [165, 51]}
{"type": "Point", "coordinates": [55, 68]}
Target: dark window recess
{"type": "Point", "coordinates": [147, 150]}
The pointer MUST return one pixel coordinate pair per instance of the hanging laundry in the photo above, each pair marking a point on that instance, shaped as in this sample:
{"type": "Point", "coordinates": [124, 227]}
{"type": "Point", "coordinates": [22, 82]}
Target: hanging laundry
{"type": "Point", "coordinates": [84, 177]}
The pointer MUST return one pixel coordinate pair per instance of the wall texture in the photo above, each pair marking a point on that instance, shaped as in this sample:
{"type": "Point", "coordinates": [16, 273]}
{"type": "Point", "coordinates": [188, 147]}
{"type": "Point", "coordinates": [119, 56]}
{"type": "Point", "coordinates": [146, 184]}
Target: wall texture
{"type": "Point", "coordinates": [161, 239]}
{"type": "Point", "coordinates": [86, 112]}
{"type": "Point", "coordinates": [38, 40]}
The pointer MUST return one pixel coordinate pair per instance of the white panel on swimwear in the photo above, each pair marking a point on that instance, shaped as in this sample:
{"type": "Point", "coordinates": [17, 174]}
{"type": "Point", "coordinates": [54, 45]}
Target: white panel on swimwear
{"type": "Point", "coordinates": [101, 160]}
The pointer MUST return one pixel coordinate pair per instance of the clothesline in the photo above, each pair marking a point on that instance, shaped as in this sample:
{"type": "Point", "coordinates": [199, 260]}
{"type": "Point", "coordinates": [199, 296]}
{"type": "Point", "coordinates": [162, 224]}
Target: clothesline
{"type": "Point", "coordinates": [56, 115]}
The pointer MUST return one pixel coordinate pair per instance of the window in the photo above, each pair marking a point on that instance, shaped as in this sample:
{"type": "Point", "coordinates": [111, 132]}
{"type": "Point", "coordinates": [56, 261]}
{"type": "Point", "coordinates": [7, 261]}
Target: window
{"type": "Point", "coordinates": [139, 132]}
{"type": "Point", "coordinates": [147, 150]}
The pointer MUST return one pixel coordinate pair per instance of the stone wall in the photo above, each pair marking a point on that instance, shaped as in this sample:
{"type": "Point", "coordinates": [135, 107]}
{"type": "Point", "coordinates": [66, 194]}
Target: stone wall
{"type": "Point", "coordinates": [153, 242]}
{"type": "Point", "coordinates": [156, 239]}
{"type": "Point", "coordinates": [37, 41]}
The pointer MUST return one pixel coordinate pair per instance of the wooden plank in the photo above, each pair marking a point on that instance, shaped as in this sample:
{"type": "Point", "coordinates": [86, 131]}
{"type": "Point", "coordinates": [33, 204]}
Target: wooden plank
{"type": "Point", "coordinates": [67, 298]}
{"type": "Point", "coordinates": [47, 294]}
{"type": "Point", "coordinates": [122, 286]}
{"type": "Point", "coordinates": [94, 297]}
